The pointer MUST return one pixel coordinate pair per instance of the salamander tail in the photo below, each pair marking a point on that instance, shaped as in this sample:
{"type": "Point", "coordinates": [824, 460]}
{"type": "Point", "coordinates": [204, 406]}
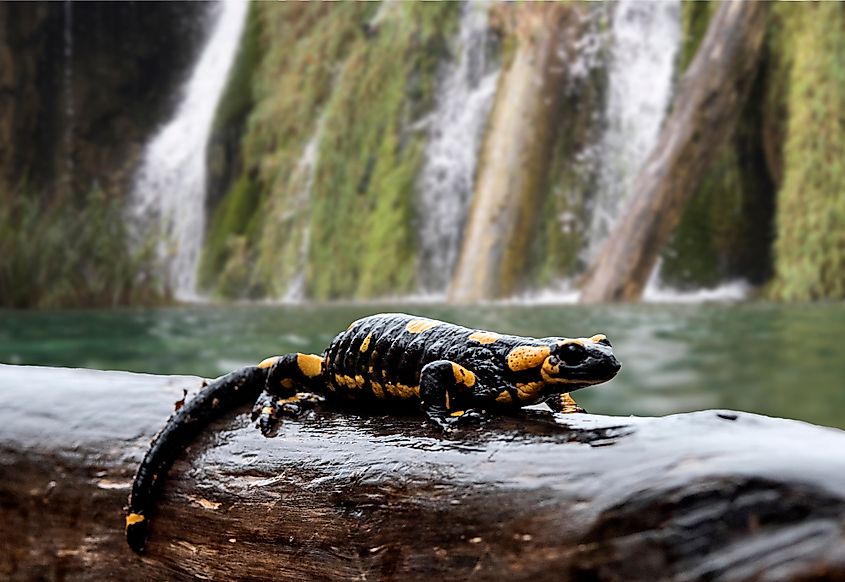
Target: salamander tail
{"type": "Point", "coordinates": [221, 395]}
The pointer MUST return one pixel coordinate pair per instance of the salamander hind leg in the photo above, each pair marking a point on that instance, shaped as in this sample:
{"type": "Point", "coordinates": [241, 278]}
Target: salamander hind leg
{"type": "Point", "coordinates": [447, 393]}
{"type": "Point", "coordinates": [289, 379]}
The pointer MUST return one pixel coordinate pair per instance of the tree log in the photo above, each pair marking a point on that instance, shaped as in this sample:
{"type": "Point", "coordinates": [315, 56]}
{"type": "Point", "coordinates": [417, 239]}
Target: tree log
{"type": "Point", "coordinates": [704, 116]}
{"type": "Point", "coordinates": [503, 214]}
{"type": "Point", "coordinates": [342, 495]}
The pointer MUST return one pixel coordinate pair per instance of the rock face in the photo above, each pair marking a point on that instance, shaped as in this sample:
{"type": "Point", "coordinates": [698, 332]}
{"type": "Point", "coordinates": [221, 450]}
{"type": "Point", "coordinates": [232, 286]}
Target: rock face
{"type": "Point", "coordinates": [82, 85]}
{"type": "Point", "coordinates": [712, 495]}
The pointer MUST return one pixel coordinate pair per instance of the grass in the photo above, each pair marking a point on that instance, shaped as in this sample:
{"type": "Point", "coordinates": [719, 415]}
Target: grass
{"type": "Point", "coordinates": [65, 255]}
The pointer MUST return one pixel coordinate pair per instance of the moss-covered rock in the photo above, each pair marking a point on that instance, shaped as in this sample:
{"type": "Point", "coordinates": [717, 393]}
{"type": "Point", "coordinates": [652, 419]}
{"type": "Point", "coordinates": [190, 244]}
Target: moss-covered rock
{"type": "Point", "coordinates": [810, 245]}
{"type": "Point", "coordinates": [330, 151]}
{"type": "Point", "coordinates": [726, 229]}
{"type": "Point", "coordinates": [362, 240]}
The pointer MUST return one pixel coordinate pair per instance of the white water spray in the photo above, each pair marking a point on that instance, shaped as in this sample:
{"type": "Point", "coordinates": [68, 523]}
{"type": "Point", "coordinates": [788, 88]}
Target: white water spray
{"type": "Point", "coordinates": [465, 96]}
{"type": "Point", "coordinates": [304, 174]}
{"type": "Point", "coordinates": [645, 37]}
{"type": "Point", "coordinates": [170, 185]}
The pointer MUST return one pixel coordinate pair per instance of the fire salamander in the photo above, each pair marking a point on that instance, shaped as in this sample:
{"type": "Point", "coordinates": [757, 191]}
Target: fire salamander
{"type": "Point", "coordinates": [454, 374]}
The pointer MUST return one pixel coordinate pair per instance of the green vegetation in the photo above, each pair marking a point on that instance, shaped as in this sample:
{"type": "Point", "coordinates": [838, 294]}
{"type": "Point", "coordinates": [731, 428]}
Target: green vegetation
{"type": "Point", "coordinates": [338, 212]}
{"type": "Point", "coordinates": [362, 243]}
{"type": "Point", "coordinates": [288, 86]}
{"type": "Point", "coordinates": [70, 255]}
{"type": "Point", "coordinates": [726, 229]}
{"type": "Point", "coordinates": [810, 245]}
{"type": "Point", "coordinates": [328, 79]}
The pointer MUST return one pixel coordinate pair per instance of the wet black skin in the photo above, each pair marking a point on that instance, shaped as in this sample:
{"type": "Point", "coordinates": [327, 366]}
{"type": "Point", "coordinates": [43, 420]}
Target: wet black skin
{"type": "Point", "coordinates": [455, 375]}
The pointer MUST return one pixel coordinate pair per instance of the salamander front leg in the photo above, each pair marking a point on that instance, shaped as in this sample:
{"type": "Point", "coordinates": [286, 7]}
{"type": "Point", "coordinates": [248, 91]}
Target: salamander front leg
{"type": "Point", "coordinates": [564, 403]}
{"type": "Point", "coordinates": [281, 397]}
{"type": "Point", "coordinates": [446, 394]}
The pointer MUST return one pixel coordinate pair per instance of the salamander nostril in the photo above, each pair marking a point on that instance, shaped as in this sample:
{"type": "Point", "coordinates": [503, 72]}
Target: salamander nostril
{"type": "Point", "coordinates": [572, 354]}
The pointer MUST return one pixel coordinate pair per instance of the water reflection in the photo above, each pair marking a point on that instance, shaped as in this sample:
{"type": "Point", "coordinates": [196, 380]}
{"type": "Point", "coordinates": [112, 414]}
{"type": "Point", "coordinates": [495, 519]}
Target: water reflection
{"type": "Point", "coordinates": [777, 360]}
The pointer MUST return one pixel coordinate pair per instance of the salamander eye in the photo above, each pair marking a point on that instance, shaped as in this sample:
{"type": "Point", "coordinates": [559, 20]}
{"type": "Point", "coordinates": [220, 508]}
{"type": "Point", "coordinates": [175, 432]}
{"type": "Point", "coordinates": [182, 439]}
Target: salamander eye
{"type": "Point", "coordinates": [571, 354]}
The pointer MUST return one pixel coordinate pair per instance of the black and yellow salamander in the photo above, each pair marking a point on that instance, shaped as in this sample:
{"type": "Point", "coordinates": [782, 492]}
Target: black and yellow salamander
{"type": "Point", "coordinates": [454, 374]}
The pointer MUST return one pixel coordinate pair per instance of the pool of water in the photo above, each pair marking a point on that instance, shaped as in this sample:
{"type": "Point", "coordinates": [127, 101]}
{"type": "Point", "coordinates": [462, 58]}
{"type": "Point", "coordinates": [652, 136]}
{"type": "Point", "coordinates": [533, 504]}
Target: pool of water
{"type": "Point", "coordinates": [778, 360]}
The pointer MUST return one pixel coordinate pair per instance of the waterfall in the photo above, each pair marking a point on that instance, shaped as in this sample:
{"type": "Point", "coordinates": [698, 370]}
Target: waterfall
{"type": "Point", "coordinates": [464, 98]}
{"type": "Point", "coordinates": [168, 194]}
{"type": "Point", "coordinates": [303, 176]}
{"type": "Point", "coordinates": [644, 40]}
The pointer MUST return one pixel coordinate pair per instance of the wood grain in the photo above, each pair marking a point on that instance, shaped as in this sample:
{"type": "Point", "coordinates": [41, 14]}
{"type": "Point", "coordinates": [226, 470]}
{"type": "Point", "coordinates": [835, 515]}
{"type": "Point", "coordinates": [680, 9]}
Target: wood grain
{"type": "Point", "coordinates": [340, 495]}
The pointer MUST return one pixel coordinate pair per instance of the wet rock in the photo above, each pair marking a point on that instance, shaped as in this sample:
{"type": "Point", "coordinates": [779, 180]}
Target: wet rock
{"type": "Point", "coordinates": [82, 85]}
{"type": "Point", "coordinates": [717, 495]}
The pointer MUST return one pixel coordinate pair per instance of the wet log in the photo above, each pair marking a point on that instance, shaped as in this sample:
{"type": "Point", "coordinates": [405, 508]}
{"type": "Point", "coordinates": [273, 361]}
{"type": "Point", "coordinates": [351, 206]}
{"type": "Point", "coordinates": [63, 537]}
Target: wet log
{"type": "Point", "coordinates": [340, 495]}
{"type": "Point", "coordinates": [704, 116]}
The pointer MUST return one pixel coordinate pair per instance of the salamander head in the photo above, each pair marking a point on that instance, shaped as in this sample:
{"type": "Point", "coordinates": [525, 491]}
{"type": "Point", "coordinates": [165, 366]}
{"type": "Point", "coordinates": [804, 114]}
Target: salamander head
{"type": "Point", "coordinates": [580, 362]}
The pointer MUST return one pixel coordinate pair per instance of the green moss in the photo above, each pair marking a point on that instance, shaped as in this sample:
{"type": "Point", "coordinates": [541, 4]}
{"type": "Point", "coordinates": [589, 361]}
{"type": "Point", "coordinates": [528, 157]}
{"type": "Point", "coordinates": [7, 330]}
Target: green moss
{"type": "Point", "coordinates": [810, 245]}
{"type": "Point", "coordinates": [695, 17]}
{"type": "Point", "coordinates": [289, 82]}
{"type": "Point", "coordinates": [65, 254]}
{"type": "Point", "coordinates": [370, 152]}
{"type": "Point", "coordinates": [237, 98]}
{"type": "Point", "coordinates": [233, 218]}
{"type": "Point", "coordinates": [725, 231]}
{"type": "Point", "coordinates": [710, 225]}
{"type": "Point", "coordinates": [341, 217]}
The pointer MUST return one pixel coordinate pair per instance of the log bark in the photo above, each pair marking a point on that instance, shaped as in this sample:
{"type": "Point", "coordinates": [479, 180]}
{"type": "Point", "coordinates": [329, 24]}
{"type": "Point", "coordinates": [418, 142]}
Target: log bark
{"type": "Point", "coordinates": [516, 150]}
{"type": "Point", "coordinates": [704, 116]}
{"type": "Point", "coordinates": [340, 495]}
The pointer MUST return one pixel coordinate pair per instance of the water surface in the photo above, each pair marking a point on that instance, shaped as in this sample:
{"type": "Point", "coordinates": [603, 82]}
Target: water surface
{"type": "Point", "coordinates": [778, 360]}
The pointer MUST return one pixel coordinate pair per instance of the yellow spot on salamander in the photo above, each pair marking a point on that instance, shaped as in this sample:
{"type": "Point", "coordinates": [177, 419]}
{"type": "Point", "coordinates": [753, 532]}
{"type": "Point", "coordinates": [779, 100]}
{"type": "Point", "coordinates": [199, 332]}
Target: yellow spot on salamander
{"type": "Point", "coordinates": [463, 376]}
{"type": "Point", "coordinates": [366, 343]}
{"type": "Point", "coordinates": [458, 413]}
{"type": "Point", "coordinates": [267, 362]}
{"type": "Point", "coordinates": [529, 391]}
{"type": "Point", "coordinates": [598, 338]}
{"type": "Point", "coordinates": [576, 341]}
{"type": "Point", "coordinates": [484, 337]}
{"type": "Point", "coordinates": [286, 383]}
{"type": "Point", "coordinates": [359, 381]}
{"type": "Point", "coordinates": [421, 325]}
{"type": "Point", "coordinates": [346, 381]}
{"type": "Point", "coordinates": [310, 365]}
{"type": "Point", "coordinates": [267, 410]}
{"type": "Point", "coordinates": [378, 389]}
{"type": "Point", "coordinates": [526, 357]}
{"type": "Point", "coordinates": [134, 518]}
{"type": "Point", "coordinates": [504, 397]}
{"type": "Point", "coordinates": [403, 391]}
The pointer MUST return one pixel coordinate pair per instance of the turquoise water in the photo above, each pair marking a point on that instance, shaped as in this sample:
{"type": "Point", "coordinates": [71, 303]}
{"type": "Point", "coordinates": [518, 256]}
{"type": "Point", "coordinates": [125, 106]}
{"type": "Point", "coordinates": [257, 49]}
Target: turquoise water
{"type": "Point", "coordinates": [778, 360]}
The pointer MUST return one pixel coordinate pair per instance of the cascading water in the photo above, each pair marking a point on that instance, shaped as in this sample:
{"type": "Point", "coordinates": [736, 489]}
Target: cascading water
{"type": "Point", "coordinates": [644, 41]}
{"type": "Point", "coordinates": [304, 175]}
{"type": "Point", "coordinates": [168, 194]}
{"type": "Point", "coordinates": [465, 96]}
